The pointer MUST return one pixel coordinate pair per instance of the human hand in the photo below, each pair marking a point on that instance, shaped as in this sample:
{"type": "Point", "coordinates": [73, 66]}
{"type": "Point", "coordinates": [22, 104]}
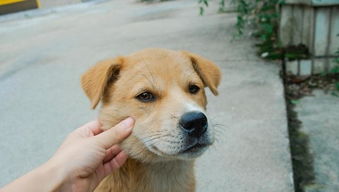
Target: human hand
{"type": "Point", "coordinates": [89, 154]}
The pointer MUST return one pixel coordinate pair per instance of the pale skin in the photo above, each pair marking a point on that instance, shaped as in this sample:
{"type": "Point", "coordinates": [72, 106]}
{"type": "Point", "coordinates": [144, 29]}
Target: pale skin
{"type": "Point", "coordinates": [86, 156]}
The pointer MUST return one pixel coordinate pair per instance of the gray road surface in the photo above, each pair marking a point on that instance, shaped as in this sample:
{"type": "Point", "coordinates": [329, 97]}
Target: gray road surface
{"type": "Point", "coordinates": [56, 3]}
{"type": "Point", "coordinates": [44, 54]}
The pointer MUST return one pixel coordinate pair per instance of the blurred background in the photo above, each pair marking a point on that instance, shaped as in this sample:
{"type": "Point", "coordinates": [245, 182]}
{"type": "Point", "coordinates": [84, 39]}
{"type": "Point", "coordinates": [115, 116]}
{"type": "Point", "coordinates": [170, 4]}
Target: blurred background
{"type": "Point", "coordinates": [278, 109]}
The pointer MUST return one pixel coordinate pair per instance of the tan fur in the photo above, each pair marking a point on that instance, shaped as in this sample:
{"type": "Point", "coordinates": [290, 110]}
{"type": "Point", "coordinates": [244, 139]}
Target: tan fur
{"type": "Point", "coordinates": [208, 72]}
{"type": "Point", "coordinates": [95, 80]}
{"type": "Point", "coordinates": [167, 73]}
{"type": "Point", "coordinates": [144, 177]}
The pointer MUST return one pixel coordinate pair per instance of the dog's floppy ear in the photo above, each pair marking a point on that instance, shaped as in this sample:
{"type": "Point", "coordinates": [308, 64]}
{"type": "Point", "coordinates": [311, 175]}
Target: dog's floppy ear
{"type": "Point", "coordinates": [207, 70]}
{"type": "Point", "coordinates": [95, 80]}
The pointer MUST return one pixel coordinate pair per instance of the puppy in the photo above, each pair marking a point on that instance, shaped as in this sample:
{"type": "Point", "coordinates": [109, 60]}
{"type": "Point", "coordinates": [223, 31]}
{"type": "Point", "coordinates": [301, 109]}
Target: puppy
{"type": "Point", "coordinates": [163, 90]}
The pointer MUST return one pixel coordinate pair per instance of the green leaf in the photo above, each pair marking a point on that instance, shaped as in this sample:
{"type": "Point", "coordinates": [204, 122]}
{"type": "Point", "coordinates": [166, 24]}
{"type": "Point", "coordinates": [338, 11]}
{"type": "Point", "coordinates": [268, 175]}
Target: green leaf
{"type": "Point", "coordinates": [337, 85]}
{"type": "Point", "coordinates": [335, 94]}
{"type": "Point", "coordinates": [206, 3]}
{"type": "Point", "coordinates": [201, 12]}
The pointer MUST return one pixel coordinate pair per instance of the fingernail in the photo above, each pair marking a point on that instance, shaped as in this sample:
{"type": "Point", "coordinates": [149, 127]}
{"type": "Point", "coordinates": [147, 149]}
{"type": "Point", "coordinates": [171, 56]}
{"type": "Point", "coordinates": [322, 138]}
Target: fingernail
{"type": "Point", "coordinates": [126, 124]}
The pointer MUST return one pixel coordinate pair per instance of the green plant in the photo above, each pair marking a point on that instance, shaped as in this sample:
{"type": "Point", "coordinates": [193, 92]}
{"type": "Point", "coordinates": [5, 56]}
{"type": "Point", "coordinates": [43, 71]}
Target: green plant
{"type": "Point", "coordinates": [203, 3]}
{"type": "Point", "coordinates": [263, 17]}
{"type": "Point", "coordinates": [260, 15]}
{"type": "Point", "coordinates": [335, 70]}
{"type": "Point", "coordinates": [151, 1]}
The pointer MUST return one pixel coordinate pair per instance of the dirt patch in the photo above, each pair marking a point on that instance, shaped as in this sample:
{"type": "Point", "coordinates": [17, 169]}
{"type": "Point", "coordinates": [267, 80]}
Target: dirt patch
{"type": "Point", "coordinates": [298, 87]}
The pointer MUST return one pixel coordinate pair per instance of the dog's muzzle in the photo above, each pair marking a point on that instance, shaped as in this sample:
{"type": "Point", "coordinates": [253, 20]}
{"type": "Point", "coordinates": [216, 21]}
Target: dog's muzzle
{"type": "Point", "coordinates": [194, 123]}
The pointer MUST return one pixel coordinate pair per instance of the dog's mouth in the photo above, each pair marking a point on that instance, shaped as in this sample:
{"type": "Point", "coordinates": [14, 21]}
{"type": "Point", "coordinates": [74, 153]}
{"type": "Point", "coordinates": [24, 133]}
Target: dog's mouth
{"type": "Point", "coordinates": [195, 148]}
{"type": "Point", "coordinates": [180, 145]}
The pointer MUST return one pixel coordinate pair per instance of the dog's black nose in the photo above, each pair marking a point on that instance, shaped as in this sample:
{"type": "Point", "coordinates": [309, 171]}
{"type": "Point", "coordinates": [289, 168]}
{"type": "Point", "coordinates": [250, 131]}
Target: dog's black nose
{"type": "Point", "coordinates": [194, 123]}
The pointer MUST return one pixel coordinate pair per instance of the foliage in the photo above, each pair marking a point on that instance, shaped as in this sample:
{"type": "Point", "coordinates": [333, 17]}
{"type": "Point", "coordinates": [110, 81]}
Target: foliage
{"type": "Point", "coordinates": [335, 71]}
{"type": "Point", "coordinates": [262, 16]}
{"type": "Point", "coordinates": [336, 60]}
{"type": "Point", "coordinates": [151, 1]}
{"type": "Point", "coordinates": [204, 3]}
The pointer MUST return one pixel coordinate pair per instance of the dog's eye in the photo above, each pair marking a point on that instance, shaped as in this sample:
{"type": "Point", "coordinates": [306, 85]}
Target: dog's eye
{"type": "Point", "coordinates": [193, 89]}
{"type": "Point", "coordinates": [145, 97]}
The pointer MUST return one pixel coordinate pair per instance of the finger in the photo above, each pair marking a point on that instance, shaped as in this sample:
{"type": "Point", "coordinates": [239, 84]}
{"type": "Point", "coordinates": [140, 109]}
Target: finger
{"type": "Point", "coordinates": [93, 127]}
{"type": "Point", "coordinates": [97, 130]}
{"type": "Point", "coordinates": [111, 153]}
{"type": "Point", "coordinates": [119, 160]}
{"type": "Point", "coordinates": [115, 134]}
{"type": "Point", "coordinates": [85, 130]}
{"type": "Point", "coordinates": [115, 163]}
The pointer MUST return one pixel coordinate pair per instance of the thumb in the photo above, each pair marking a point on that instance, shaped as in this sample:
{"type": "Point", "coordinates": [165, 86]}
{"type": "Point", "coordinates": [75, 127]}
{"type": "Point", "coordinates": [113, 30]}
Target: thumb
{"type": "Point", "coordinates": [116, 134]}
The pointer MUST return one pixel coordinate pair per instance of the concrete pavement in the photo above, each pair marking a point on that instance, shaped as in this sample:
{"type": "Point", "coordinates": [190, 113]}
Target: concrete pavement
{"type": "Point", "coordinates": [43, 56]}
{"type": "Point", "coordinates": [56, 3]}
{"type": "Point", "coordinates": [319, 116]}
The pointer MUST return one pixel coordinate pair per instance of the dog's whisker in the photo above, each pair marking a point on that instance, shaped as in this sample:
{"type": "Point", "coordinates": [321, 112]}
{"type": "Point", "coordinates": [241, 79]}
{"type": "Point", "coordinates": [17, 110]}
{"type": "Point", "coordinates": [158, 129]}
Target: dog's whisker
{"type": "Point", "coordinates": [148, 139]}
{"type": "Point", "coordinates": [173, 116]}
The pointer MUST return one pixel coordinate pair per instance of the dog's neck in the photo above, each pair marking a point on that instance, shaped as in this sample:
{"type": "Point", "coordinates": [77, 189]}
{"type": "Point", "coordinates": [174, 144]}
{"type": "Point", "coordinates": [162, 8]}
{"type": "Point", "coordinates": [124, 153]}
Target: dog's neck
{"type": "Point", "coordinates": [171, 176]}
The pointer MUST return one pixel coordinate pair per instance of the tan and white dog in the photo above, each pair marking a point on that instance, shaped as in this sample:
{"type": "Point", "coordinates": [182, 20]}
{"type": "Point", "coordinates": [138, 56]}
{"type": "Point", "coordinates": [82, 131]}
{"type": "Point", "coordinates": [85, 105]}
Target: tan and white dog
{"type": "Point", "coordinates": [163, 90]}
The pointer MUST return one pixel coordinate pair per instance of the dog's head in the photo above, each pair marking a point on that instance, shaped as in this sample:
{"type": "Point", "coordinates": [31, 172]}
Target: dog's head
{"type": "Point", "coordinates": [163, 90]}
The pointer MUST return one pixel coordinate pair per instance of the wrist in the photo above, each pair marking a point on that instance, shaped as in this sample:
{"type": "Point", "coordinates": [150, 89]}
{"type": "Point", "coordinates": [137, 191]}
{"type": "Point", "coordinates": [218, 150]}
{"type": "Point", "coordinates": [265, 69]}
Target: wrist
{"type": "Point", "coordinates": [47, 177]}
{"type": "Point", "coordinates": [54, 172]}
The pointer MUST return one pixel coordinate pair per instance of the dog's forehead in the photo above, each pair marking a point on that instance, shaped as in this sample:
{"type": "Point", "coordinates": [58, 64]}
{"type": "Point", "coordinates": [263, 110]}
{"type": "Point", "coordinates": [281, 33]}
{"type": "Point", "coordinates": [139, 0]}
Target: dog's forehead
{"type": "Point", "coordinates": [157, 56]}
{"type": "Point", "coordinates": [159, 62]}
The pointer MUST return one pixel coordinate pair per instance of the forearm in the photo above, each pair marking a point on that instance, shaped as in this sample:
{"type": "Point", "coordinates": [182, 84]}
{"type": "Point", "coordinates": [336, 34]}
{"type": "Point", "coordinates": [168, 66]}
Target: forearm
{"type": "Point", "coordinates": [46, 178]}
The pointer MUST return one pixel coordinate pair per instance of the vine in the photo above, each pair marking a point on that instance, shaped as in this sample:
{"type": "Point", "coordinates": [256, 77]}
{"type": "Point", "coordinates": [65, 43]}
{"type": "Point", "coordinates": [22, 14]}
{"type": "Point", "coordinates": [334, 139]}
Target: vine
{"type": "Point", "coordinates": [260, 15]}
